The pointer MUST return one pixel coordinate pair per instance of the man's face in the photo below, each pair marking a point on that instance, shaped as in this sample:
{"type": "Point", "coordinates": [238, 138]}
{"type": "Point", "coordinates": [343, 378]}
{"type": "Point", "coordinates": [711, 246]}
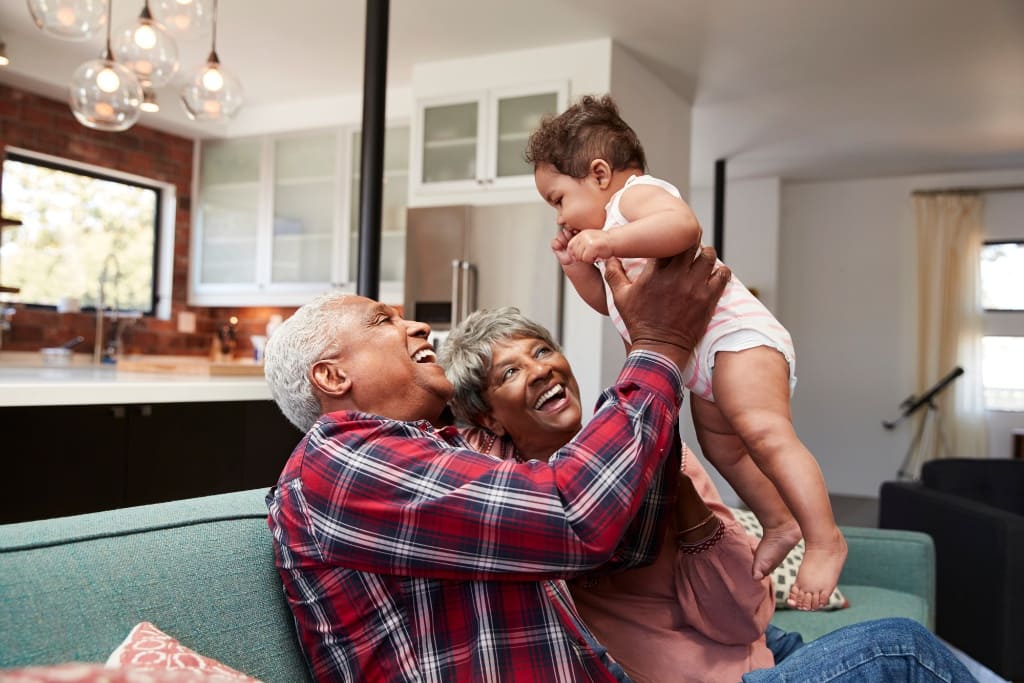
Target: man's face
{"type": "Point", "coordinates": [580, 202]}
{"type": "Point", "coordinates": [390, 362]}
{"type": "Point", "coordinates": [533, 396]}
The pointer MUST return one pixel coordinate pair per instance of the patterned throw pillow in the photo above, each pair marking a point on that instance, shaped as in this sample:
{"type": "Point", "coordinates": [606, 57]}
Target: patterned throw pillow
{"type": "Point", "coordinates": [784, 575]}
{"type": "Point", "coordinates": [147, 647]}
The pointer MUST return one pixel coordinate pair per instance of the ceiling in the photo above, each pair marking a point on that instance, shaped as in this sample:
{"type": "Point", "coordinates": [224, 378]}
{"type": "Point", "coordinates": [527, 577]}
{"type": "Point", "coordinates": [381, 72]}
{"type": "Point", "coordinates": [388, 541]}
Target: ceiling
{"type": "Point", "coordinates": [800, 89]}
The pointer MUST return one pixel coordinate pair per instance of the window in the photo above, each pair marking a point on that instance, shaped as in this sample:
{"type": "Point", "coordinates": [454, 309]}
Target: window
{"type": "Point", "coordinates": [1002, 297]}
{"type": "Point", "coordinates": [74, 219]}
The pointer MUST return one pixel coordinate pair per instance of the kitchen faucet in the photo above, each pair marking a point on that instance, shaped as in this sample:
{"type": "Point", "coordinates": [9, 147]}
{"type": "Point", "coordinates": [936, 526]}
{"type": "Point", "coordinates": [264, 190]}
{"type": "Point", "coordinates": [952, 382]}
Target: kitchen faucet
{"type": "Point", "coordinates": [5, 320]}
{"type": "Point", "coordinates": [99, 354]}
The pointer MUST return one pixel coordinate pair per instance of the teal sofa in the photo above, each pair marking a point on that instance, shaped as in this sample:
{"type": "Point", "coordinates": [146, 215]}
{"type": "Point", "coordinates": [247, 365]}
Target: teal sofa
{"type": "Point", "coordinates": [202, 570]}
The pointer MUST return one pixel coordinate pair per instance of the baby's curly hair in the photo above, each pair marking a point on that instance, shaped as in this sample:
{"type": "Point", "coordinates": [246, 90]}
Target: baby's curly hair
{"type": "Point", "coordinates": [590, 129]}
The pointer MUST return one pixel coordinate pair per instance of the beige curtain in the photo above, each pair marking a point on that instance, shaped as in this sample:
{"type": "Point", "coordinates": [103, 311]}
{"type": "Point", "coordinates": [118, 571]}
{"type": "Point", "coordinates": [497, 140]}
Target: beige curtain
{"type": "Point", "coordinates": [949, 240]}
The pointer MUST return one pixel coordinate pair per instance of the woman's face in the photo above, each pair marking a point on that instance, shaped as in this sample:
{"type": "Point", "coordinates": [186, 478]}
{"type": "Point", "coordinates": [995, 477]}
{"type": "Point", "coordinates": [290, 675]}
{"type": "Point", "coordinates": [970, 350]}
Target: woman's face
{"type": "Point", "coordinates": [533, 396]}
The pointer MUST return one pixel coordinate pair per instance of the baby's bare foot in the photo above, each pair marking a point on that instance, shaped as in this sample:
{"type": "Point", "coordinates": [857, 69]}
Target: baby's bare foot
{"type": "Point", "coordinates": [776, 542]}
{"type": "Point", "coordinates": [819, 573]}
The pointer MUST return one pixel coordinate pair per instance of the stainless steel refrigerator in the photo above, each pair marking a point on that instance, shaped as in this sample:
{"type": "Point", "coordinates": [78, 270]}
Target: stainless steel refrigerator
{"type": "Point", "coordinates": [462, 258]}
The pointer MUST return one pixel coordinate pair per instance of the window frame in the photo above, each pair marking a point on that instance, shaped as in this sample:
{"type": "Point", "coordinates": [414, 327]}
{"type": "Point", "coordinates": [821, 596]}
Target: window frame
{"type": "Point", "coordinates": [1002, 322]}
{"type": "Point", "coordinates": [164, 219]}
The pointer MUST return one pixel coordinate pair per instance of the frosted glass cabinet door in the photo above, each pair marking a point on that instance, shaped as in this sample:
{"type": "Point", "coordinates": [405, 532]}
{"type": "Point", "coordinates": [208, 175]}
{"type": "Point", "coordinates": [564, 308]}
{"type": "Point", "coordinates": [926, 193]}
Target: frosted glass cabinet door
{"type": "Point", "coordinates": [517, 118]}
{"type": "Point", "coordinates": [450, 142]}
{"type": "Point", "coordinates": [229, 211]}
{"type": "Point", "coordinates": [305, 203]}
{"type": "Point", "coordinates": [393, 205]}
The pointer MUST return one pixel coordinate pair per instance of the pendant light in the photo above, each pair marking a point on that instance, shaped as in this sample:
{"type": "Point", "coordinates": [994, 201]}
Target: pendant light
{"type": "Point", "coordinates": [212, 94]}
{"type": "Point", "coordinates": [4, 61]}
{"type": "Point", "coordinates": [105, 95]}
{"type": "Point", "coordinates": [147, 49]}
{"type": "Point", "coordinates": [69, 19]}
{"type": "Point", "coordinates": [183, 18]}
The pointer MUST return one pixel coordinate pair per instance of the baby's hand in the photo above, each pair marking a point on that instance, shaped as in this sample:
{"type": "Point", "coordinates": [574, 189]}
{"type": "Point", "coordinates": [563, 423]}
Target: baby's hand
{"type": "Point", "coordinates": [560, 245]}
{"type": "Point", "coordinates": [589, 246]}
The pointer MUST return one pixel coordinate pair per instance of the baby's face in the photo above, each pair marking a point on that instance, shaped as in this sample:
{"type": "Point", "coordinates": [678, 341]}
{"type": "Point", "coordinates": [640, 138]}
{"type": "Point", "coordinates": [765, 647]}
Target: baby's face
{"type": "Point", "coordinates": [580, 202]}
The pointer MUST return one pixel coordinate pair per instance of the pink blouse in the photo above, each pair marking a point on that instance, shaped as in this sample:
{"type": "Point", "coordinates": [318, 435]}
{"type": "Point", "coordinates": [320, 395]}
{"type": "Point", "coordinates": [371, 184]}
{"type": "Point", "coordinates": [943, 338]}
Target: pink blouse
{"type": "Point", "coordinates": [689, 616]}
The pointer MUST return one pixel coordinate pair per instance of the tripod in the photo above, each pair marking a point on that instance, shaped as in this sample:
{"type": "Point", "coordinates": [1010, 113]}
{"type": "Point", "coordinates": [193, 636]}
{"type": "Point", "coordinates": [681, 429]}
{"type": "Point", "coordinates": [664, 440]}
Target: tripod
{"type": "Point", "coordinates": [911, 461]}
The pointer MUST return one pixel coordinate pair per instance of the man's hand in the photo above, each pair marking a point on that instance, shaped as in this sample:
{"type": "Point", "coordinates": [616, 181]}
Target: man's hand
{"type": "Point", "coordinates": [589, 246]}
{"type": "Point", "coordinates": [560, 245]}
{"type": "Point", "coordinates": [667, 308]}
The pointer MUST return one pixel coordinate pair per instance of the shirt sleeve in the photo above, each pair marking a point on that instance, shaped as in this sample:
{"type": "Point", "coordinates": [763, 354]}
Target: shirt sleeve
{"type": "Point", "coordinates": [393, 498]}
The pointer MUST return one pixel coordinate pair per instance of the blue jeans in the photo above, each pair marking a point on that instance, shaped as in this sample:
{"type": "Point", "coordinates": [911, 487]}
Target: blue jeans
{"type": "Point", "coordinates": [870, 652]}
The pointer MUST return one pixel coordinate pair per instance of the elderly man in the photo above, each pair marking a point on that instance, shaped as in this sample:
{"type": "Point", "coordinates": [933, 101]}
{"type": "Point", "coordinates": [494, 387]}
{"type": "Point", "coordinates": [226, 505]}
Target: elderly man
{"type": "Point", "coordinates": [407, 556]}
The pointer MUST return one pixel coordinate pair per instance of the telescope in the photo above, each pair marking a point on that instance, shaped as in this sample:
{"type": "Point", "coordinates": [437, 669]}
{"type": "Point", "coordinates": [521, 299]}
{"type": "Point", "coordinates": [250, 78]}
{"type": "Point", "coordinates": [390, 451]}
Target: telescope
{"type": "Point", "coordinates": [912, 403]}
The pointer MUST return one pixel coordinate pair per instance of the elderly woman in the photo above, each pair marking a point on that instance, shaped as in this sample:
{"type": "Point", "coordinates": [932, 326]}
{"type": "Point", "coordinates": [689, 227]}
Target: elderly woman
{"type": "Point", "coordinates": [695, 614]}
{"type": "Point", "coordinates": [696, 605]}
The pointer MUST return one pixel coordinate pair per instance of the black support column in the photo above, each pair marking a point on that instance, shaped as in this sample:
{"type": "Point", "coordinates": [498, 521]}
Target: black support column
{"type": "Point", "coordinates": [719, 236]}
{"type": "Point", "coordinates": [371, 181]}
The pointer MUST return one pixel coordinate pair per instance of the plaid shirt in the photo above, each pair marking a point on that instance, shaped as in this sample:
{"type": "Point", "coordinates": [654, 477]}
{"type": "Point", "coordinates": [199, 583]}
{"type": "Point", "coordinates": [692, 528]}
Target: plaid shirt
{"type": "Point", "coordinates": [407, 557]}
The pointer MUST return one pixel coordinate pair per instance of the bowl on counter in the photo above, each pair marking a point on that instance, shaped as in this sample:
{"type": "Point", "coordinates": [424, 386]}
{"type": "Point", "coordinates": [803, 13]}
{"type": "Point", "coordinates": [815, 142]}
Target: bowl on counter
{"type": "Point", "coordinates": [56, 356]}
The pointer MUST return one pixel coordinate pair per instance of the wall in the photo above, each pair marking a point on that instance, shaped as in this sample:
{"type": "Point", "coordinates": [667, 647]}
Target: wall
{"type": "Point", "coordinates": [847, 293]}
{"type": "Point", "coordinates": [44, 125]}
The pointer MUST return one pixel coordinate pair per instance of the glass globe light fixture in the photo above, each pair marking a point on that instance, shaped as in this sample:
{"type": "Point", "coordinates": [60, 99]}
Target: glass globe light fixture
{"type": "Point", "coordinates": [147, 49]}
{"type": "Point", "coordinates": [184, 18]}
{"type": "Point", "coordinates": [105, 95]}
{"type": "Point", "coordinates": [212, 94]}
{"type": "Point", "coordinates": [4, 61]}
{"type": "Point", "coordinates": [69, 19]}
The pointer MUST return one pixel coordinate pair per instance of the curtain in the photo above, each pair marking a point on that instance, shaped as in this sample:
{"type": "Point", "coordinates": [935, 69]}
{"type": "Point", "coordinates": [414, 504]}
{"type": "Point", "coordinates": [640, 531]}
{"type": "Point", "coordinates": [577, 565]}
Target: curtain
{"type": "Point", "coordinates": [949, 241]}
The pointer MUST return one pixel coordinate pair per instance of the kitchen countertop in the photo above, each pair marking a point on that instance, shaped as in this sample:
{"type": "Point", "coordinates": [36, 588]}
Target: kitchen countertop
{"type": "Point", "coordinates": [26, 381]}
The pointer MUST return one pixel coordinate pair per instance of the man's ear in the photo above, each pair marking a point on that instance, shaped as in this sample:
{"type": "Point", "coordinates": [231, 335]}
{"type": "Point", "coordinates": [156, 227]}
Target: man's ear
{"type": "Point", "coordinates": [330, 379]}
{"type": "Point", "coordinates": [602, 172]}
{"type": "Point", "coordinates": [492, 423]}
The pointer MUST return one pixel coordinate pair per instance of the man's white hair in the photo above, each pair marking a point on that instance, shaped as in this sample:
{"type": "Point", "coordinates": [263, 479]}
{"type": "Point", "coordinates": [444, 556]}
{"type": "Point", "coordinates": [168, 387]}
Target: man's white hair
{"type": "Point", "coordinates": [310, 334]}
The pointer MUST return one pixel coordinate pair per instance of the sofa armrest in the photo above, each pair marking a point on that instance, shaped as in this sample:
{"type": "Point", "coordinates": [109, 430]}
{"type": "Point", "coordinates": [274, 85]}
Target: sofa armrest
{"type": "Point", "coordinates": [894, 559]}
{"type": "Point", "coordinates": [980, 560]}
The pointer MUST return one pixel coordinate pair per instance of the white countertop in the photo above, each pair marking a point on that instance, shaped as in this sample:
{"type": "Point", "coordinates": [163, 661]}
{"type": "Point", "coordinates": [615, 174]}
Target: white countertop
{"type": "Point", "coordinates": [25, 381]}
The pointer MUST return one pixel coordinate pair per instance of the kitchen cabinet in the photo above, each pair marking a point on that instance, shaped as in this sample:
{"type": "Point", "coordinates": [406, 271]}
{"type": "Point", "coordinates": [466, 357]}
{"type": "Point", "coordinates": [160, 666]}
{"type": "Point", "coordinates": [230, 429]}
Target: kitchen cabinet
{"type": "Point", "coordinates": [277, 217]}
{"type": "Point", "coordinates": [66, 460]}
{"type": "Point", "coordinates": [470, 145]}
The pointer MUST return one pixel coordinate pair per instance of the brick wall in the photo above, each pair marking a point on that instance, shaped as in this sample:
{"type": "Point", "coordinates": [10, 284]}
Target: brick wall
{"type": "Point", "coordinates": [40, 124]}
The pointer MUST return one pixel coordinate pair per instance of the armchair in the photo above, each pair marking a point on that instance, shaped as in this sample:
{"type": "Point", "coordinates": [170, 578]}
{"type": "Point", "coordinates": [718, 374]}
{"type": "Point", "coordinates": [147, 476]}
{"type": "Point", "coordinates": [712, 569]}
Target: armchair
{"type": "Point", "coordinates": [974, 511]}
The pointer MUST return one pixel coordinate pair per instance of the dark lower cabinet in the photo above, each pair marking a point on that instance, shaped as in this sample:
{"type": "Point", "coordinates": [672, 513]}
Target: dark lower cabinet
{"type": "Point", "coordinates": [65, 460]}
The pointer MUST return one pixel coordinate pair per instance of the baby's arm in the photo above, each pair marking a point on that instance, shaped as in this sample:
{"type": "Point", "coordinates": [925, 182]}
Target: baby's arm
{"type": "Point", "coordinates": [660, 225]}
{"type": "Point", "coordinates": [585, 277]}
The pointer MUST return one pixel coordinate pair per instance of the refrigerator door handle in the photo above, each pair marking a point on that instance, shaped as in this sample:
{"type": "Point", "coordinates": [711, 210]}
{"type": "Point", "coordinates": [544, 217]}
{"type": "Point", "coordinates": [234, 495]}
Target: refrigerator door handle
{"type": "Point", "coordinates": [468, 290]}
{"type": "Point", "coordinates": [456, 292]}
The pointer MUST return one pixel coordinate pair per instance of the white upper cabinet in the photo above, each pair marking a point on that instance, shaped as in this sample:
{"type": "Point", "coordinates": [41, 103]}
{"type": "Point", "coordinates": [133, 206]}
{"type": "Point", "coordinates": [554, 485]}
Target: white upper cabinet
{"type": "Point", "coordinates": [276, 220]}
{"type": "Point", "coordinates": [468, 148]}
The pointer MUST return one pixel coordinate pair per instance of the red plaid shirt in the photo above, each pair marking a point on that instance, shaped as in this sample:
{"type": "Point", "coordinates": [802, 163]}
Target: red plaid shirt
{"type": "Point", "coordinates": [407, 557]}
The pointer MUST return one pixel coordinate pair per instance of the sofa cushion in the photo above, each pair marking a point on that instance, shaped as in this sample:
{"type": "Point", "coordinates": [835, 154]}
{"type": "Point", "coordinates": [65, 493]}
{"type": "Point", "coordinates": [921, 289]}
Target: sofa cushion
{"type": "Point", "coordinates": [999, 483]}
{"type": "Point", "coordinates": [866, 602]}
{"type": "Point", "coordinates": [202, 569]}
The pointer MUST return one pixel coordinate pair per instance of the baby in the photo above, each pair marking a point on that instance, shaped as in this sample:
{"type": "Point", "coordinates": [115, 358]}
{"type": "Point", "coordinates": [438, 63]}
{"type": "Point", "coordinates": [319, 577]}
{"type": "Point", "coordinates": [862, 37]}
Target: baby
{"type": "Point", "coordinates": [589, 165]}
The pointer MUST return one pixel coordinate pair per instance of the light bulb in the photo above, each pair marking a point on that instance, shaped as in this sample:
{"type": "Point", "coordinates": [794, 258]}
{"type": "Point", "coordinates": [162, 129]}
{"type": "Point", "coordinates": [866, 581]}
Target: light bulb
{"type": "Point", "coordinates": [65, 16]}
{"type": "Point", "coordinates": [107, 80]}
{"type": "Point", "coordinates": [212, 80]}
{"type": "Point", "coordinates": [145, 37]}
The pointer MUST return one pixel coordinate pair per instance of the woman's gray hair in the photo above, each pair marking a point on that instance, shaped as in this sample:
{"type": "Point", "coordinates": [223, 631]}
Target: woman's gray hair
{"type": "Point", "coordinates": [304, 338]}
{"type": "Point", "coordinates": [467, 354]}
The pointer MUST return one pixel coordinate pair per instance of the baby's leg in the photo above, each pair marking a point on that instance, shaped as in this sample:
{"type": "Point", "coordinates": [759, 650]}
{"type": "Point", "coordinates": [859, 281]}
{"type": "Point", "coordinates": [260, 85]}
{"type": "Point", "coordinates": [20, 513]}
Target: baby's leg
{"type": "Point", "coordinates": [724, 449]}
{"type": "Point", "coordinates": [751, 389]}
